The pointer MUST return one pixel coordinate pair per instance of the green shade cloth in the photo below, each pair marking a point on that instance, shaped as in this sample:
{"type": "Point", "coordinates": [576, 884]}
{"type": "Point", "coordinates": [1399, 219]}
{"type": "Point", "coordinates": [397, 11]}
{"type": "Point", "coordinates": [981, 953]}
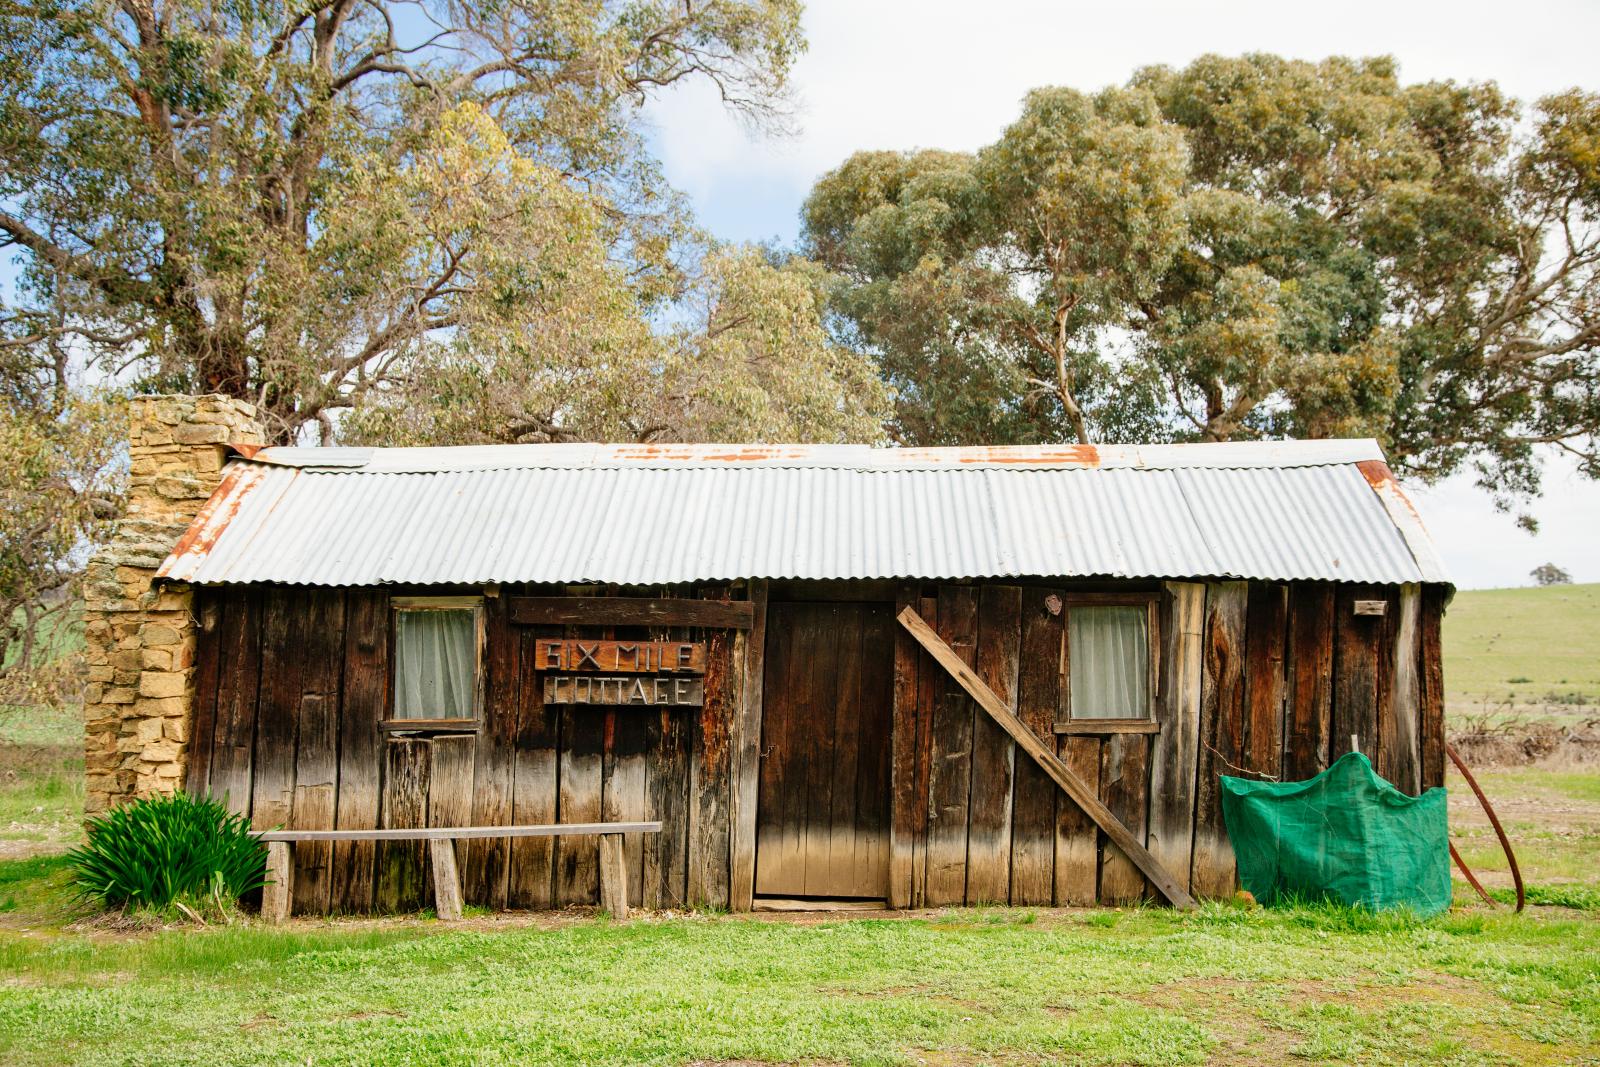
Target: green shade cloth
{"type": "Point", "coordinates": [1345, 835]}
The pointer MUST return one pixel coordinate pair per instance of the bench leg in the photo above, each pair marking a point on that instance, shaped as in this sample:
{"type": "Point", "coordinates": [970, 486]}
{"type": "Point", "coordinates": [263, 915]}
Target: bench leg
{"type": "Point", "coordinates": [279, 890]}
{"type": "Point", "coordinates": [446, 879]}
{"type": "Point", "coordinates": [613, 877]}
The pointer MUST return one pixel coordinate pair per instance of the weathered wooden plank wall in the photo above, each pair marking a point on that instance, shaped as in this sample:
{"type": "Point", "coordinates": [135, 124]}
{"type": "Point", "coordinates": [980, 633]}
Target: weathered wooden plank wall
{"type": "Point", "coordinates": [294, 687]}
{"type": "Point", "coordinates": [1254, 678]}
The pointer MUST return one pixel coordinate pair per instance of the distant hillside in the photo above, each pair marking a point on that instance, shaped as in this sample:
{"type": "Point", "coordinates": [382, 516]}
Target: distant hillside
{"type": "Point", "coordinates": [1538, 645]}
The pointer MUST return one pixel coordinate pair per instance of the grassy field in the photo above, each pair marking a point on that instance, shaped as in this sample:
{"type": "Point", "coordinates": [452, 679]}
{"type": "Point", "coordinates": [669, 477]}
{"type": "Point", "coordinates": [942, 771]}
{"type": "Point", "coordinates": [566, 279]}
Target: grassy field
{"type": "Point", "coordinates": [1537, 647]}
{"type": "Point", "coordinates": [1146, 987]}
{"type": "Point", "coordinates": [1004, 986]}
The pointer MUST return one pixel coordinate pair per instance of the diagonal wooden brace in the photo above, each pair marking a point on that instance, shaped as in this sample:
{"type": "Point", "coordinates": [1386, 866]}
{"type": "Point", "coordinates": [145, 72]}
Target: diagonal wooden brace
{"type": "Point", "coordinates": [1029, 742]}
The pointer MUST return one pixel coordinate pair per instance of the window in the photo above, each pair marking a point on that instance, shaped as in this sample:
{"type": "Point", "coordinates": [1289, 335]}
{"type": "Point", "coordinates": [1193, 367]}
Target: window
{"type": "Point", "coordinates": [1110, 669]}
{"type": "Point", "coordinates": [436, 642]}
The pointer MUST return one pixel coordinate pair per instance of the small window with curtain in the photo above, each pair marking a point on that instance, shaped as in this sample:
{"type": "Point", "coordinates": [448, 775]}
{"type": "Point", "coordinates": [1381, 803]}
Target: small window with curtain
{"type": "Point", "coordinates": [1110, 664]}
{"type": "Point", "coordinates": [436, 654]}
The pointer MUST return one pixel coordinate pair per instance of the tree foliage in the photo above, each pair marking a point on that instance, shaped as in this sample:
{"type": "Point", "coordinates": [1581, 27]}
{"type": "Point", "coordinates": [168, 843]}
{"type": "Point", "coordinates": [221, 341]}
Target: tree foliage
{"type": "Point", "coordinates": [1550, 574]}
{"type": "Point", "coordinates": [1247, 247]}
{"type": "Point", "coordinates": [398, 203]}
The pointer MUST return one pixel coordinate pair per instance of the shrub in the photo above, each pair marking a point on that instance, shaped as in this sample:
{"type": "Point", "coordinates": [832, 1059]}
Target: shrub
{"type": "Point", "coordinates": [170, 851]}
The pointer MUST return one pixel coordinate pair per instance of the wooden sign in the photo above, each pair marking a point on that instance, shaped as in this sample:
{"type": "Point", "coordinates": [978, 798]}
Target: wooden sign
{"type": "Point", "coordinates": [639, 657]}
{"type": "Point", "coordinates": [624, 689]}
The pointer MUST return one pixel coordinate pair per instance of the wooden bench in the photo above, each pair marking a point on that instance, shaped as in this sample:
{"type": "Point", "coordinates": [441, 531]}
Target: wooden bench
{"type": "Point", "coordinates": [279, 890]}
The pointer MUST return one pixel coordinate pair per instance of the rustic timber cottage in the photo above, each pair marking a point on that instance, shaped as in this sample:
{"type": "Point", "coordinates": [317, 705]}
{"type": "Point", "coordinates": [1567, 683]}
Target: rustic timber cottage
{"type": "Point", "coordinates": [832, 674]}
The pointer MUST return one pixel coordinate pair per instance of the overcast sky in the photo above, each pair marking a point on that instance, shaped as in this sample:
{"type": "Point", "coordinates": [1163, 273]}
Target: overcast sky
{"type": "Point", "coordinates": [935, 74]}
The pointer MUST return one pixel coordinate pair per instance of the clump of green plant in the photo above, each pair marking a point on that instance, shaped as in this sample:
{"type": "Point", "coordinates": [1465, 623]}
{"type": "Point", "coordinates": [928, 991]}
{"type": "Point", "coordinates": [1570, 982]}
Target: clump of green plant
{"type": "Point", "coordinates": [169, 853]}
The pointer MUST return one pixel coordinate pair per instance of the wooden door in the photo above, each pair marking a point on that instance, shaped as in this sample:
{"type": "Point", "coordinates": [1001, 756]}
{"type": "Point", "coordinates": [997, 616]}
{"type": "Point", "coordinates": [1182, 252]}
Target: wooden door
{"type": "Point", "coordinates": [822, 818]}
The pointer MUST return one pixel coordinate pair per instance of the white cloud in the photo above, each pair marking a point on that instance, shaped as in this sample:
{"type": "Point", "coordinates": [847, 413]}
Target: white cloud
{"type": "Point", "coordinates": [942, 74]}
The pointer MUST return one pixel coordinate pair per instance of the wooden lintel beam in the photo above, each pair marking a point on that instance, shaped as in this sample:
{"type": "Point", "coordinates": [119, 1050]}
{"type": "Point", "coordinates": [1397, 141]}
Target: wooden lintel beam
{"type": "Point", "coordinates": [631, 611]}
{"type": "Point", "coordinates": [1168, 886]}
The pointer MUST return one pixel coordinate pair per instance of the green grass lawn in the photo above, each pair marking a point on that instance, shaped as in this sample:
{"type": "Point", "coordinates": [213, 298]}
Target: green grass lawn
{"type": "Point", "coordinates": [1532, 646]}
{"type": "Point", "coordinates": [1147, 987]}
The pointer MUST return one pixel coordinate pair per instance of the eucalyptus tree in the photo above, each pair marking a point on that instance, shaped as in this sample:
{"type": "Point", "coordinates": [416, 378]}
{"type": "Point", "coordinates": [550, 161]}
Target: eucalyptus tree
{"type": "Point", "coordinates": [1246, 247]}
{"type": "Point", "coordinates": [321, 204]}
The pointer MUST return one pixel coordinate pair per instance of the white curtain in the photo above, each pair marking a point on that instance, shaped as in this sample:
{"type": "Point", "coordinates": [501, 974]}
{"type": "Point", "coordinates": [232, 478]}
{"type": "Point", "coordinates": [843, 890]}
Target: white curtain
{"type": "Point", "coordinates": [1108, 657]}
{"type": "Point", "coordinates": [435, 664]}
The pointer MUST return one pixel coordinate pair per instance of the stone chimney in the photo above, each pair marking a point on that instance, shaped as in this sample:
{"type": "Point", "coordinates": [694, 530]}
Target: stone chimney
{"type": "Point", "coordinates": [140, 638]}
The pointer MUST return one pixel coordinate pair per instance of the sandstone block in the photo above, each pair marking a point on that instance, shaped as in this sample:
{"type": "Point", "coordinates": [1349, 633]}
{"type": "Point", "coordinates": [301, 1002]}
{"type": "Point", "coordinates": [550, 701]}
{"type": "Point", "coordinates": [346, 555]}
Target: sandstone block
{"type": "Point", "coordinates": [198, 433]}
{"type": "Point", "coordinates": [161, 751]}
{"type": "Point", "coordinates": [163, 683]}
{"type": "Point", "coordinates": [157, 635]}
{"type": "Point", "coordinates": [163, 706]}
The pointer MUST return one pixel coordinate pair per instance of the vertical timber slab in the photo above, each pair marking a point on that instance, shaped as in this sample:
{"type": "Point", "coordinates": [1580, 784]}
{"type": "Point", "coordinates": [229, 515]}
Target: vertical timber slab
{"type": "Point", "coordinates": [578, 858]}
{"type": "Point", "coordinates": [1175, 751]}
{"type": "Point", "coordinates": [1431, 687]}
{"type": "Point", "coordinates": [930, 688]}
{"type": "Point", "coordinates": [1310, 678]}
{"type": "Point", "coordinates": [1264, 684]}
{"type": "Point", "coordinates": [316, 754]}
{"type": "Point", "coordinates": [531, 881]}
{"type": "Point", "coordinates": [781, 808]}
{"type": "Point", "coordinates": [486, 861]}
{"type": "Point", "coordinates": [711, 770]}
{"type": "Point", "coordinates": [1222, 711]}
{"type": "Point", "coordinates": [1033, 815]}
{"type": "Point", "coordinates": [904, 739]}
{"type": "Point", "coordinates": [622, 790]}
{"type": "Point", "coordinates": [837, 637]}
{"type": "Point", "coordinates": [1077, 836]}
{"type": "Point", "coordinates": [666, 867]}
{"type": "Point", "coordinates": [751, 646]}
{"type": "Point", "coordinates": [950, 772]}
{"type": "Point", "coordinates": [1401, 727]}
{"type": "Point", "coordinates": [1355, 672]}
{"type": "Point", "coordinates": [1124, 788]}
{"type": "Point", "coordinates": [402, 881]}
{"type": "Point", "coordinates": [278, 708]}
{"type": "Point", "coordinates": [830, 867]}
{"type": "Point", "coordinates": [450, 780]}
{"type": "Point", "coordinates": [238, 693]}
{"type": "Point", "coordinates": [210, 605]}
{"type": "Point", "coordinates": [875, 699]}
{"type": "Point", "coordinates": [994, 754]}
{"type": "Point", "coordinates": [1383, 719]}
{"type": "Point", "coordinates": [363, 705]}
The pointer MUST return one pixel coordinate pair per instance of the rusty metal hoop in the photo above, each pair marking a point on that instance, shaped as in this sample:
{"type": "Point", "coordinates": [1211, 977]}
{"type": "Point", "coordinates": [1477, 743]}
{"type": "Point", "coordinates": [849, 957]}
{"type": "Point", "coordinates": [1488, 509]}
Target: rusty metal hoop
{"type": "Point", "coordinates": [1494, 820]}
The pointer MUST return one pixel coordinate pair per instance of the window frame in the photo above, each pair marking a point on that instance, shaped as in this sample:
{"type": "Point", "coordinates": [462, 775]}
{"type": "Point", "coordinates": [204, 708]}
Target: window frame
{"type": "Point", "coordinates": [397, 604]}
{"type": "Point", "coordinates": [1147, 723]}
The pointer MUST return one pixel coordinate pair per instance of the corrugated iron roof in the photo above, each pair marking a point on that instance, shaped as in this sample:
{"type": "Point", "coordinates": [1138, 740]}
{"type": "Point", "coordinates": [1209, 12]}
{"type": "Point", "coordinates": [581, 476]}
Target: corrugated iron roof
{"type": "Point", "coordinates": [645, 515]}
